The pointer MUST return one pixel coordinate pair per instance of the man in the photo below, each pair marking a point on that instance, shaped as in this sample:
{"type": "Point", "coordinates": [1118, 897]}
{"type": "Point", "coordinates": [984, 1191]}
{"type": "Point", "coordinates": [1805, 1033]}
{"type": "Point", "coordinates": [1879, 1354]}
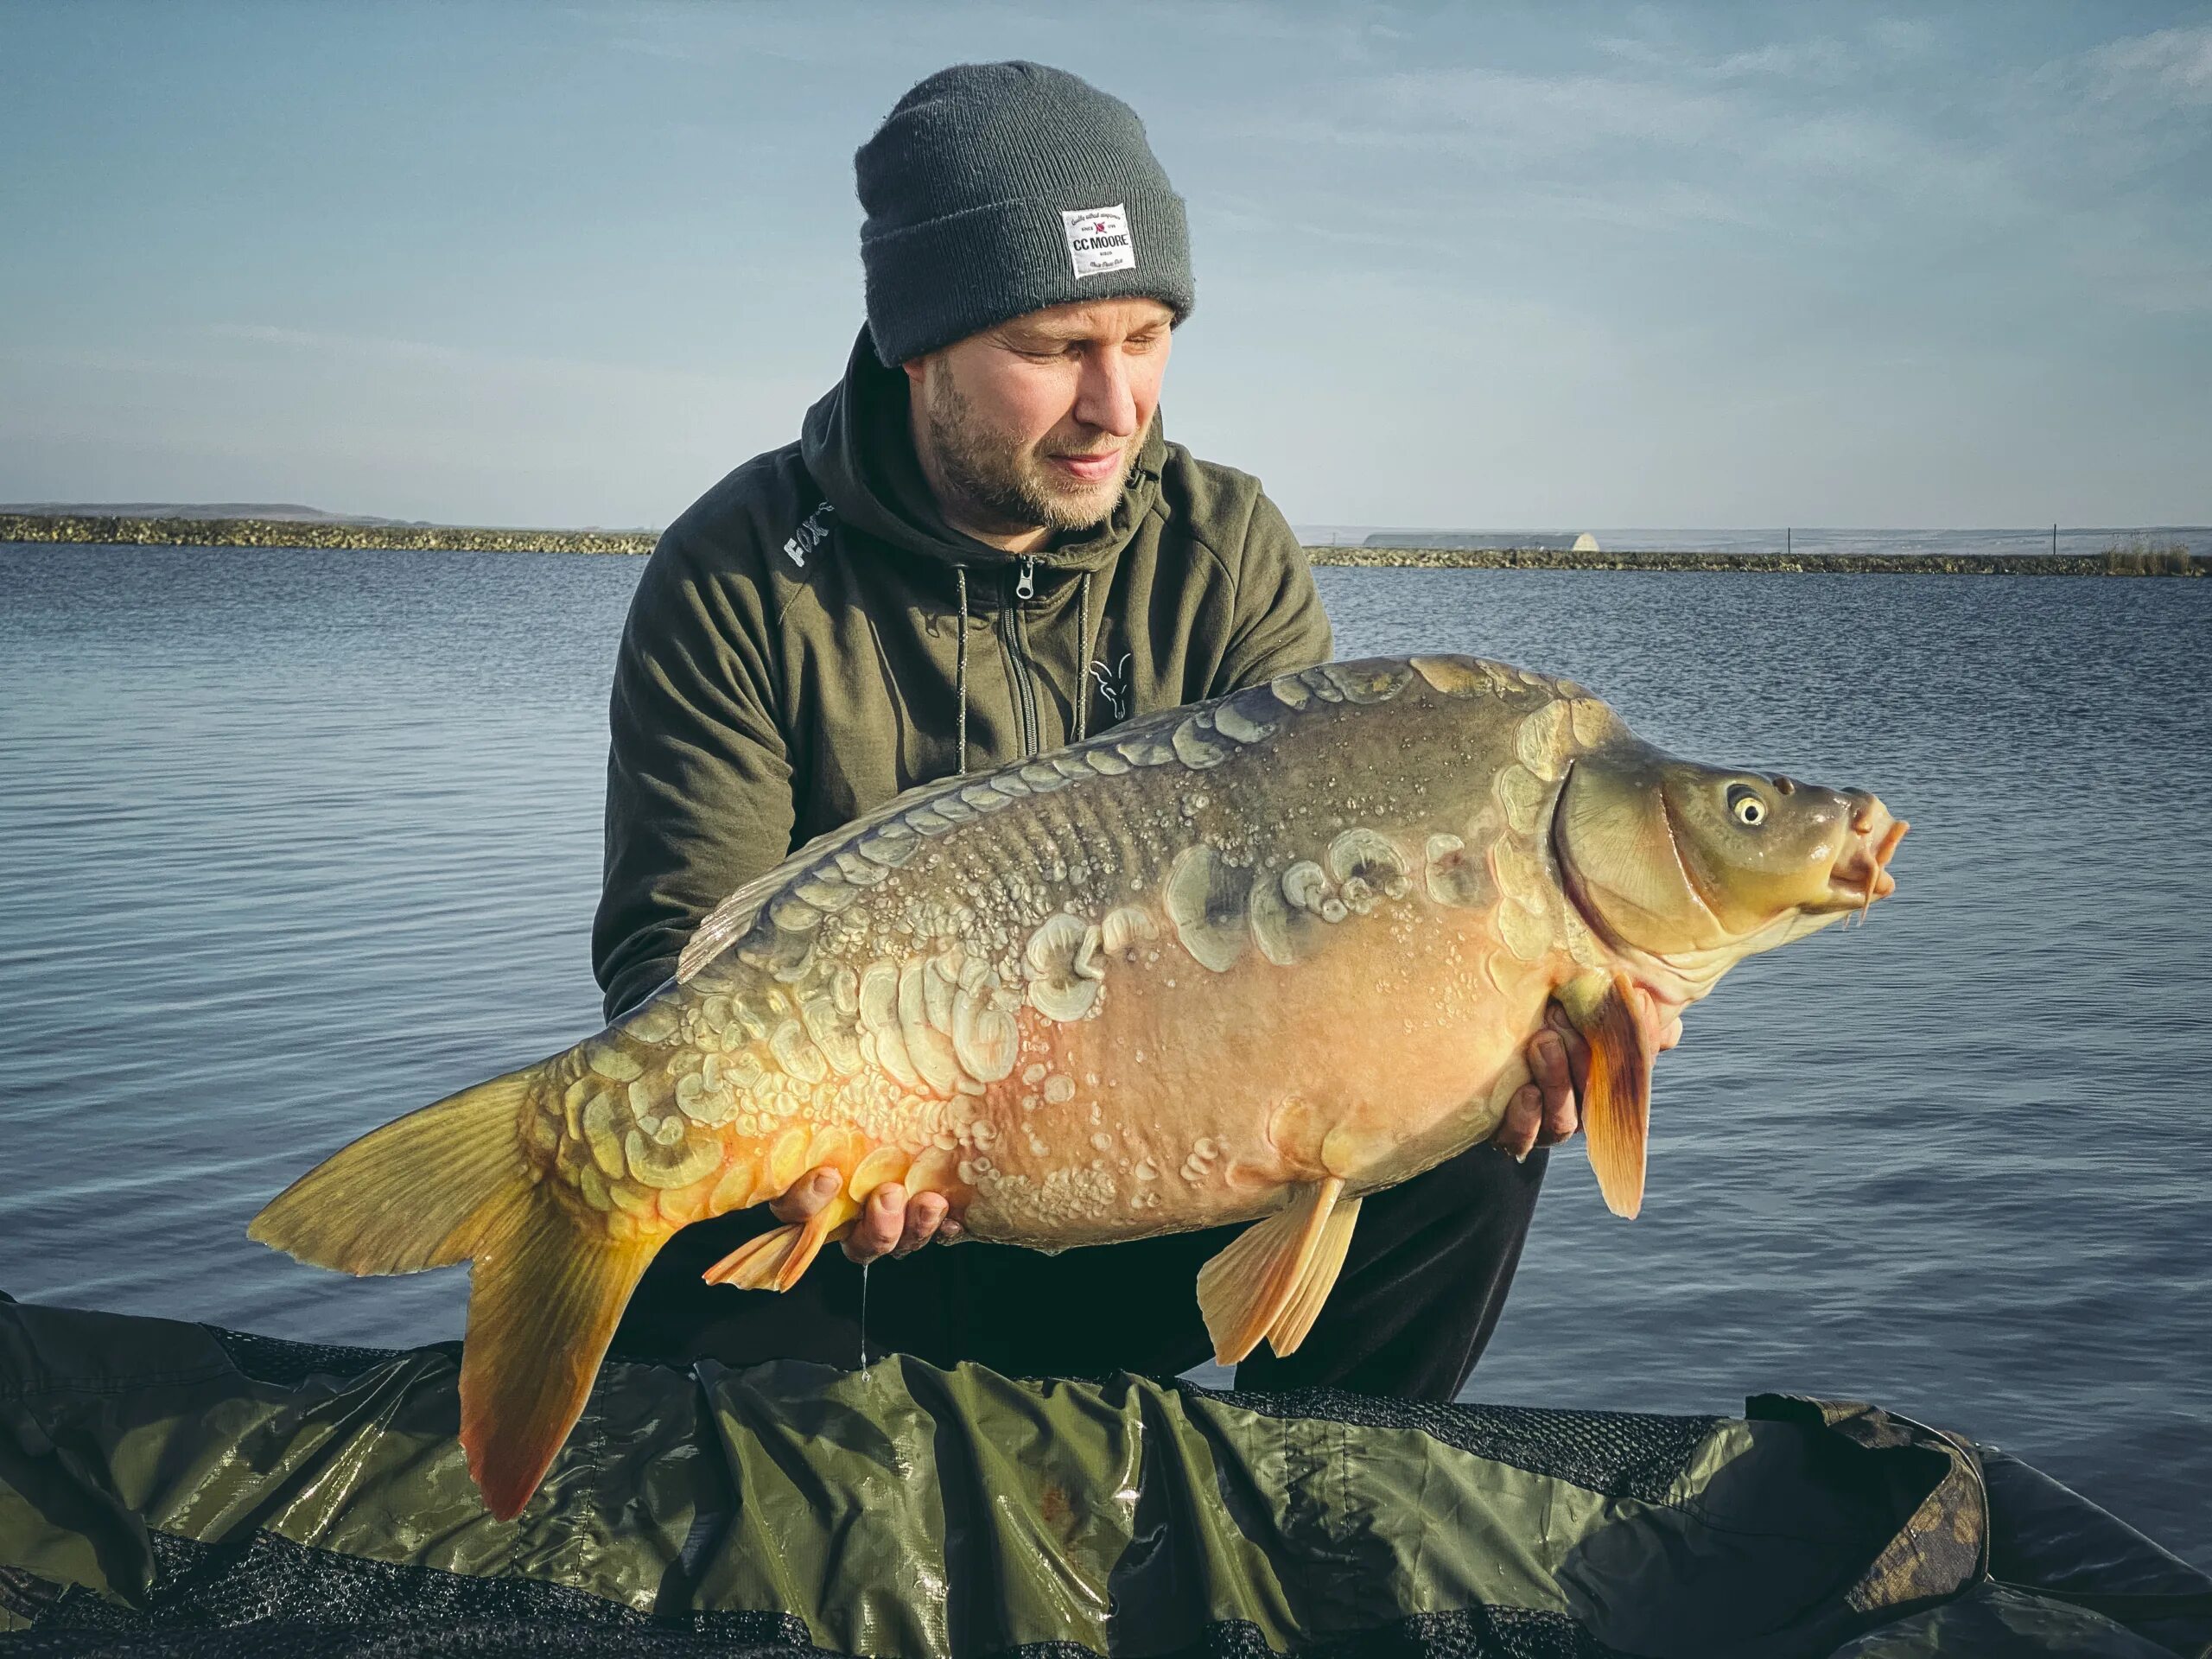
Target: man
{"type": "Point", "coordinates": [982, 547]}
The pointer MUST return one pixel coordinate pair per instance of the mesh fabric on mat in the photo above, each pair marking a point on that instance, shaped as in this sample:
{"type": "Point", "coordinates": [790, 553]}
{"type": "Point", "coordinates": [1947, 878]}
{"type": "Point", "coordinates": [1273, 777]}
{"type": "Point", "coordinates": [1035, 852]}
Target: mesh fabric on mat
{"type": "Point", "coordinates": [268, 1595]}
{"type": "Point", "coordinates": [1620, 1454]}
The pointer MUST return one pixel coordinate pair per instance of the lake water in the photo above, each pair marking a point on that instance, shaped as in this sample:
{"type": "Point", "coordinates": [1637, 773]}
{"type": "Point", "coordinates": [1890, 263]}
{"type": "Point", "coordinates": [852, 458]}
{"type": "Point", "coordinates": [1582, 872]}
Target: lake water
{"type": "Point", "coordinates": [292, 842]}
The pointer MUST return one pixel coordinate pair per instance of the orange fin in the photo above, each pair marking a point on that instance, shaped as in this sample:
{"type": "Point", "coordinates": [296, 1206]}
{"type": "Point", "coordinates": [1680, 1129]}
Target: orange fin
{"type": "Point", "coordinates": [777, 1258]}
{"type": "Point", "coordinates": [1246, 1289]}
{"type": "Point", "coordinates": [544, 1295]}
{"type": "Point", "coordinates": [412, 1194]}
{"type": "Point", "coordinates": [450, 1183]}
{"type": "Point", "coordinates": [1320, 1278]}
{"type": "Point", "coordinates": [1617, 1103]}
{"type": "Point", "coordinates": [831, 1221]}
{"type": "Point", "coordinates": [754, 1264]}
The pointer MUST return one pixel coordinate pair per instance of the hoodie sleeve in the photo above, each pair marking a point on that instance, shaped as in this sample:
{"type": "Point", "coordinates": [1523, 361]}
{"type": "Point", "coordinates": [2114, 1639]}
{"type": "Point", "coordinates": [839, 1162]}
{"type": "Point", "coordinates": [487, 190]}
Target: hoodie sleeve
{"type": "Point", "coordinates": [698, 775]}
{"type": "Point", "coordinates": [1279, 625]}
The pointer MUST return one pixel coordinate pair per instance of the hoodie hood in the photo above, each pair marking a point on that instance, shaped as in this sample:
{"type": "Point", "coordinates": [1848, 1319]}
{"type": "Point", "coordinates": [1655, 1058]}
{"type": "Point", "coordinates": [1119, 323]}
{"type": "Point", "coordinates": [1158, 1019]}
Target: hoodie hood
{"type": "Point", "coordinates": [857, 445]}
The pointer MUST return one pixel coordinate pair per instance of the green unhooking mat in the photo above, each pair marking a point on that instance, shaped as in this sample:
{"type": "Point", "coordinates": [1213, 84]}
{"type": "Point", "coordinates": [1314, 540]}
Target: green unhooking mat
{"type": "Point", "coordinates": [169, 1488]}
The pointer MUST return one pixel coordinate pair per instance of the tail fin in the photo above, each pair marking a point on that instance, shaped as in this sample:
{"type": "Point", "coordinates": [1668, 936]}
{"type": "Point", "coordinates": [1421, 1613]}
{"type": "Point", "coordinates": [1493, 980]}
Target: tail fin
{"type": "Point", "coordinates": [450, 1184]}
{"type": "Point", "coordinates": [543, 1298]}
{"type": "Point", "coordinates": [412, 1194]}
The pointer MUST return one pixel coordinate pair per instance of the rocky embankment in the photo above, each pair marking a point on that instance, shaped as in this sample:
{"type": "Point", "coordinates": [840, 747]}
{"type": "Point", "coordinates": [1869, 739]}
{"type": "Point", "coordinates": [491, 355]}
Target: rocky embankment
{"type": "Point", "coordinates": [325, 532]}
{"type": "Point", "coordinates": [338, 533]}
{"type": "Point", "coordinates": [2114, 562]}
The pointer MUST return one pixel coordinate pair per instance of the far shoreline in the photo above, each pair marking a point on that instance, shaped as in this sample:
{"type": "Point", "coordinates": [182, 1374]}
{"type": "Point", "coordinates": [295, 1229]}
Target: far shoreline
{"type": "Point", "coordinates": [93, 529]}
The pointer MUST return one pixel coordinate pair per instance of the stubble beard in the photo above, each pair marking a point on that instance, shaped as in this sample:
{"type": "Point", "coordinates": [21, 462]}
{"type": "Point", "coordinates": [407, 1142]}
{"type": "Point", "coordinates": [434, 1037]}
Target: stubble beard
{"type": "Point", "coordinates": [995, 477]}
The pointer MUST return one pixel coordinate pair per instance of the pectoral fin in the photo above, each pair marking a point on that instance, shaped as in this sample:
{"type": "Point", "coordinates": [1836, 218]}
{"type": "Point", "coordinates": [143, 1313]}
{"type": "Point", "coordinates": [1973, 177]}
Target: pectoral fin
{"type": "Point", "coordinates": [1616, 1101]}
{"type": "Point", "coordinates": [1256, 1286]}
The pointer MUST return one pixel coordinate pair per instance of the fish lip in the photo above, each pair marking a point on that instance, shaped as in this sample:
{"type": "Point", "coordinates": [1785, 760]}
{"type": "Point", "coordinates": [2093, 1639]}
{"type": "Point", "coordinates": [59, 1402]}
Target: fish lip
{"type": "Point", "coordinates": [1860, 874]}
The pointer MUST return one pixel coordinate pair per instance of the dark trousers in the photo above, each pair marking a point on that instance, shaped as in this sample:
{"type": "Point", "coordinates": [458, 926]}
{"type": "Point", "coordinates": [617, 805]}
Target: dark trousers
{"type": "Point", "coordinates": [1420, 1291]}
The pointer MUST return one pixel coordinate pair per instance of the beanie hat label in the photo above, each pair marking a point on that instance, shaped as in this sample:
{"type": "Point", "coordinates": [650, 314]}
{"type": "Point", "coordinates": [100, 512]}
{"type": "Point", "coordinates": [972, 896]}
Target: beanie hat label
{"type": "Point", "coordinates": [1099, 240]}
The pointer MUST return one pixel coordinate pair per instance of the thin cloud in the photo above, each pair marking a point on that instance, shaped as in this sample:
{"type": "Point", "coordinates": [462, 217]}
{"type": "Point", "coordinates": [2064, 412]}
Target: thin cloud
{"type": "Point", "coordinates": [481, 365]}
{"type": "Point", "coordinates": [2173, 64]}
{"type": "Point", "coordinates": [1821, 59]}
{"type": "Point", "coordinates": [1499, 111]}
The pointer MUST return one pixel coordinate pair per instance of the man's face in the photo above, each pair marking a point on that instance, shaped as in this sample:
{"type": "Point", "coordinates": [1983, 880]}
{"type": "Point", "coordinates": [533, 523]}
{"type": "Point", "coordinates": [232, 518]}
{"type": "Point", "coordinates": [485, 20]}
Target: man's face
{"type": "Point", "coordinates": [1032, 424]}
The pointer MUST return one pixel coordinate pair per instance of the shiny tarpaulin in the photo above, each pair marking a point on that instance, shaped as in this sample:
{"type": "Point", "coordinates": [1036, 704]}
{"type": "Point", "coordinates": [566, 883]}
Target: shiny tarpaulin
{"type": "Point", "coordinates": [169, 1488]}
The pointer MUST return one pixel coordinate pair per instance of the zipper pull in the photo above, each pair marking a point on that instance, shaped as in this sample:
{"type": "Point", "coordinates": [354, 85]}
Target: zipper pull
{"type": "Point", "coordinates": [1024, 585]}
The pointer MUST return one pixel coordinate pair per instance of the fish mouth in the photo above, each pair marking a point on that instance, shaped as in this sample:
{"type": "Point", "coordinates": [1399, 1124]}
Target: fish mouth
{"type": "Point", "coordinates": [1860, 874]}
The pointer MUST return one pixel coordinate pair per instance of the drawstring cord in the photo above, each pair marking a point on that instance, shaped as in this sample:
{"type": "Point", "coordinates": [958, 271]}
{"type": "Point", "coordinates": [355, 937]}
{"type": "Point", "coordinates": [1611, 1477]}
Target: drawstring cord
{"type": "Point", "coordinates": [960, 666]}
{"type": "Point", "coordinates": [1081, 695]}
{"type": "Point", "coordinates": [1083, 659]}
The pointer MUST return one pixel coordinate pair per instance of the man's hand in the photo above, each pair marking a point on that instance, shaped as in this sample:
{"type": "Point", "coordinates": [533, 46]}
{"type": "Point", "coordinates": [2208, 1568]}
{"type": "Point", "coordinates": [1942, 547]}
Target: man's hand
{"type": "Point", "coordinates": [1548, 1111]}
{"type": "Point", "coordinates": [887, 1225]}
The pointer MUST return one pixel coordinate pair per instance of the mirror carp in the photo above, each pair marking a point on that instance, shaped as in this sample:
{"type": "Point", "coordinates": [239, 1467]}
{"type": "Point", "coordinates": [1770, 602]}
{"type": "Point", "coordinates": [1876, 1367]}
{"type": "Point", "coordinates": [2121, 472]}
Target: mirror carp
{"type": "Point", "coordinates": [1247, 960]}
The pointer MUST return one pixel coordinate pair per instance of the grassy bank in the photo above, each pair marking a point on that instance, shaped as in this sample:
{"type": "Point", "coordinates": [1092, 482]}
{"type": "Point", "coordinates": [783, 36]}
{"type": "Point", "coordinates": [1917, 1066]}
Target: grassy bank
{"type": "Point", "coordinates": [2131, 560]}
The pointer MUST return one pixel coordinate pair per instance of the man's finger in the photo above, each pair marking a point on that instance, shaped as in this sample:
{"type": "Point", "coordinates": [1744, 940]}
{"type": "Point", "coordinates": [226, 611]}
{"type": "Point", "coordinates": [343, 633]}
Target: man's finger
{"type": "Point", "coordinates": [1560, 1060]}
{"type": "Point", "coordinates": [924, 1216]}
{"type": "Point", "coordinates": [1672, 1035]}
{"type": "Point", "coordinates": [881, 1222]}
{"type": "Point", "coordinates": [1576, 1045]}
{"type": "Point", "coordinates": [1524, 1116]}
{"type": "Point", "coordinates": [1562, 1117]}
{"type": "Point", "coordinates": [808, 1194]}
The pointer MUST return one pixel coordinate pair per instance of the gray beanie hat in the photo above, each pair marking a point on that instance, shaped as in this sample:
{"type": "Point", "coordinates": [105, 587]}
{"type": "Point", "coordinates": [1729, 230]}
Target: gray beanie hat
{"type": "Point", "coordinates": [992, 189]}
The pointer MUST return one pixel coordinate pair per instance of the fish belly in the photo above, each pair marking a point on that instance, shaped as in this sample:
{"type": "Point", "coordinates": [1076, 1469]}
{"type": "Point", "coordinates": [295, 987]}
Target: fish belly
{"type": "Point", "coordinates": [1194, 1099]}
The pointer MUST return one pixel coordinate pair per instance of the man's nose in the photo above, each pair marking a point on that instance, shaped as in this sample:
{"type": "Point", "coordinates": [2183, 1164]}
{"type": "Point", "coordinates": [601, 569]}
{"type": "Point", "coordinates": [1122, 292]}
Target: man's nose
{"type": "Point", "coordinates": [1105, 400]}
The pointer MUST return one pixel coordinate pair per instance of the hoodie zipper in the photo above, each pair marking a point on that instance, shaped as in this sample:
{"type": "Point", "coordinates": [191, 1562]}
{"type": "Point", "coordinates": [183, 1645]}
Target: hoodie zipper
{"type": "Point", "coordinates": [1019, 671]}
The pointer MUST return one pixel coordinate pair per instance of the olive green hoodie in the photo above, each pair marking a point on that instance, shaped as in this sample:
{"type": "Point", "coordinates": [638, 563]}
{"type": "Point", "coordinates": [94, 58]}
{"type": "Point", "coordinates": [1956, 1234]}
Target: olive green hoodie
{"type": "Point", "coordinates": [811, 638]}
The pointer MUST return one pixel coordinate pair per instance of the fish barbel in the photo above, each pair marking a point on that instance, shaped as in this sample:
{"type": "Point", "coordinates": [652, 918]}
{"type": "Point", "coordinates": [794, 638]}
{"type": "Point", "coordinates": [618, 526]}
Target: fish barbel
{"type": "Point", "coordinates": [1247, 960]}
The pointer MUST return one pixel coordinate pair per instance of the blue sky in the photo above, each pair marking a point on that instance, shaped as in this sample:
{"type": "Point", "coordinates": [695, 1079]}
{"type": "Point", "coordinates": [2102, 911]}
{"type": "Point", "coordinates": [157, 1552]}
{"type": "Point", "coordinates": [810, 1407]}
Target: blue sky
{"type": "Point", "coordinates": [1557, 264]}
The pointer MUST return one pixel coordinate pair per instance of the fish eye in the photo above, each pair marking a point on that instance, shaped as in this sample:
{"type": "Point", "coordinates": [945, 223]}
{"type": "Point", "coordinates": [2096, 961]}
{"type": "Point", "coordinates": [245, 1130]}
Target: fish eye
{"type": "Point", "coordinates": [1746, 806]}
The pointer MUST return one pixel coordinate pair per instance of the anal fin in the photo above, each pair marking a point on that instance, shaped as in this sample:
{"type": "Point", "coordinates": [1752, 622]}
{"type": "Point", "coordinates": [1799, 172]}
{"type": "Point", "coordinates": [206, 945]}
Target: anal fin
{"type": "Point", "coordinates": [1248, 1289]}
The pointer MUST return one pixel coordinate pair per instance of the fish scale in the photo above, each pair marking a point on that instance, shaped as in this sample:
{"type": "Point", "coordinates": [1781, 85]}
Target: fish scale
{"type": "Point", "coordinates": [823, 1068]}
{"type": "Point", "coordinates": [1244, 961]}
